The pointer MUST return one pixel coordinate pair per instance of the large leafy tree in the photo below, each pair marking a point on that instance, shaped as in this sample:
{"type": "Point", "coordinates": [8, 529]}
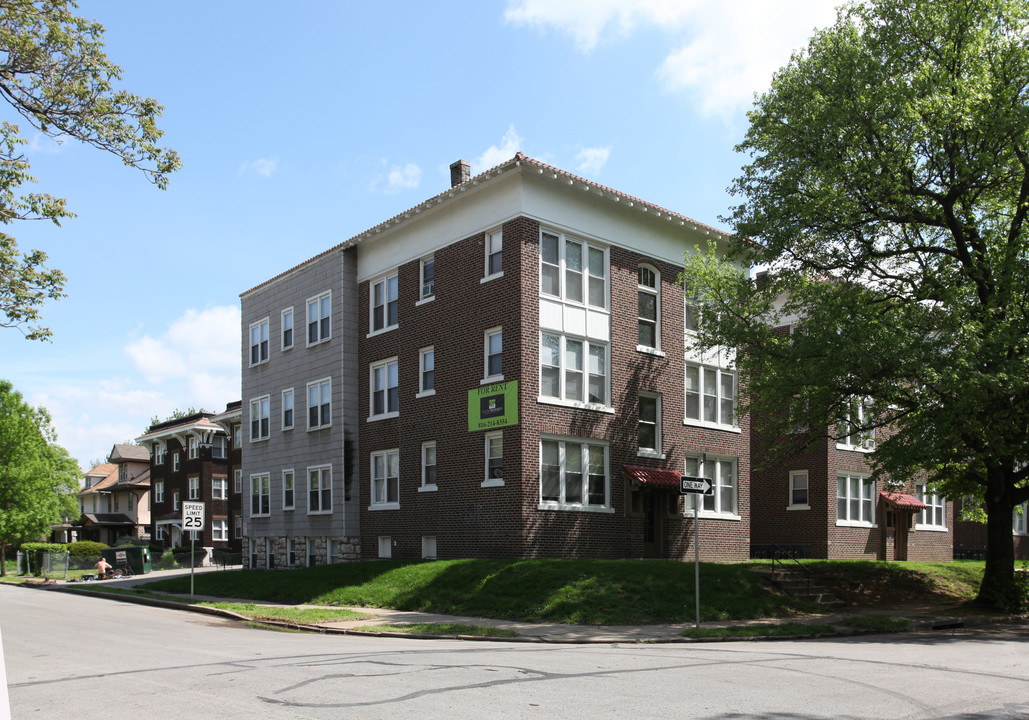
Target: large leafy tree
{"type": "Point", "coordinates": [37, 477]}
{"type": "Point", "coordinates": [886, 192]}
{"type": "Point", "coordinates": [55, 75]}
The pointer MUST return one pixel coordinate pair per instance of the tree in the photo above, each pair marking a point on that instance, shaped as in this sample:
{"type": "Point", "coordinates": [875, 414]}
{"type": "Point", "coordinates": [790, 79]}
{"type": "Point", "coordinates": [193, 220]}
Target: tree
{"type": "Point", "coordinates": [38, 479]}
{"type": "Point", "coordinates": [886, 191]}
{"type": "Point", "coordinates": [54, 73]}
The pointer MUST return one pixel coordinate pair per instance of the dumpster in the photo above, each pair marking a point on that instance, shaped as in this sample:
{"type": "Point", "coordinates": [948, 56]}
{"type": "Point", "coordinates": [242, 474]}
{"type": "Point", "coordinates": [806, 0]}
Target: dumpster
{"type": "Point", "coordinates": [134, 557]}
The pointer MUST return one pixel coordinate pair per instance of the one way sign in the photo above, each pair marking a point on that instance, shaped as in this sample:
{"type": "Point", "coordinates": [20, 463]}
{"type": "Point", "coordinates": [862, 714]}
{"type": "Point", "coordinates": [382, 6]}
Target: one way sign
{"type": "Point", "coordinates": [694, 485]}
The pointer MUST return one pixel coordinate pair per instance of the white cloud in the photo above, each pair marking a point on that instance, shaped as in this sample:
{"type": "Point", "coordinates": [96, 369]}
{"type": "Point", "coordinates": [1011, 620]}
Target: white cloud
{"type": "Point", "coordinates": [496, 154]}
{"type": "Point", "coordinates": [262, 166]}
{"type": "Point", "coordinates": [591, 160]}
{"type": "Point", "coordinates": [407, 177]}
{"type": "Point", "coordinates": [725, 53]}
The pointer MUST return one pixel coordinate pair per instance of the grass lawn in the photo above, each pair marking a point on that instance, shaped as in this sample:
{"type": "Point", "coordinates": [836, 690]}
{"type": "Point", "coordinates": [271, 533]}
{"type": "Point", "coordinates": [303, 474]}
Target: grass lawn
{"type": "Point", "coordinates": [593, 592]}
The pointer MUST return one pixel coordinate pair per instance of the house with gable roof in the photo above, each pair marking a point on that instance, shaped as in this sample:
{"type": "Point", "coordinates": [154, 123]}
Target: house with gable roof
{"type": "Point", "coordinates": [115, 499]}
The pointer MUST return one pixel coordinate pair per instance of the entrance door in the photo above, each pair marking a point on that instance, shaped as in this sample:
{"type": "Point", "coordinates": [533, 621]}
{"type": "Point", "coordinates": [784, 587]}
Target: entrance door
{"type": "Point", "coordinates": [653, 523]}
{"type": "Point", "coordinates": [900, 539]}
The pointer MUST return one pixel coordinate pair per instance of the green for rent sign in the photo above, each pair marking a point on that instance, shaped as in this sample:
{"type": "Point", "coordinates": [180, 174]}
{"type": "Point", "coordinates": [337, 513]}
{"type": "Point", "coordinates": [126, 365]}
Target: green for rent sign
{"type": "Point", "coordinates": [493, 406]}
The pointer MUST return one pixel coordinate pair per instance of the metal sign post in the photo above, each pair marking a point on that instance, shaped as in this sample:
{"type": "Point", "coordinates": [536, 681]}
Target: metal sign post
{"type": "Point", "coordinates": [695, 486]}
{"type": "Point", "coordinates": [192, 520]}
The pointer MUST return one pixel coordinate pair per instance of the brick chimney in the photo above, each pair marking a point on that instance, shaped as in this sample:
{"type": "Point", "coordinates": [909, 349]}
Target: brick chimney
{"type": "Point", "coordinates": [460, 172]}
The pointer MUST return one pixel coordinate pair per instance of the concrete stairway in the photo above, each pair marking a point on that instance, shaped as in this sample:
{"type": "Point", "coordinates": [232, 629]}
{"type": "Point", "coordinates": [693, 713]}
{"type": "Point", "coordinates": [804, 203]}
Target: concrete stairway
{"type": "Point", "coordinates": [800, 586]}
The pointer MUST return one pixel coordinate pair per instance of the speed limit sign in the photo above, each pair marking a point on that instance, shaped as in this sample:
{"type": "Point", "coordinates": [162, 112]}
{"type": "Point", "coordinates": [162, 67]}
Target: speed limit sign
{"type": "Point", "coordinates": [192, 516]}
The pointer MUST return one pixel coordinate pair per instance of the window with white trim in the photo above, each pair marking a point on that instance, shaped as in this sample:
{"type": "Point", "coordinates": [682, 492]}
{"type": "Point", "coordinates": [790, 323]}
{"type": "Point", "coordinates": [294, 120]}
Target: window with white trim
{"type": "Point", "coordinates": [426, 371]}
{"type": "Point", "coordinates": [291, 552]}
{"type": "Point", "coordinates": [1018, 519]}
{"type": "Point", "coordinates": [573, 369]}
{"type": "Point", "coordinates": [194, 488]}
{"type": "Point", "coordinates": [260, 495]}
{"type": "Point", "coordinates": [385, 480]}
{"type": "Point", "coordinates": [193, 448]}
{"type": "Point", "coordinates": [288, 491]}
{"type": "Point", "coordinates": [237, 527]}
{"type": "Point", "coordinates": [493, 355]}
{"type": "Point", "coordinates": [319, 404]}
{"type": "Point", "coordinates": [159, 491]}
{"type": "Point", "coordinates": [175, 500]}
{"type": "Point", "coordinates": [691, 313]}
{"type": "Point", "coordinates": [648, 432]}
{"type": "Point", "coordinates": [259, 418]}
{"type": "Point", "coordinates": [429, 465]}
{"type": "Point", "coordinates": [494, 253]}
{"type": "Point", "coordinates": [385, 399]}
{"type": "Point", "coordinates": [855, 500]}
{"type": "Point", "coordinates": [220, 530]}
{"type": "Point", "coordinates": [237, 481]}
{"type": "Point", "coordinates": [428, 278]}
{"type": "Point", "coordinates": [259, 342]}
{"type": "Point", "coordinates": [428, 547]}
{"type": "Point", "coordinates": [159, 451]}
{"type": "Point", "coordinates": [649, 308]}
{"type": "Point", "coordinates": [220, 447]}
{"type": "Point", "coordinates": [237, 435]}
{"type": "Point", "coordinates": [219, 488]}
{"type": "Point", "coordinates": [852, 431]}
{"type": "Point", "coordinates": [287, 328]}
{"type": "Point", "coordinates": [494, 458]}
{"type": "Point", "coordinates": [319, 490]}
{"type": "Point", "coordinates": [384, 304]}
{"type": "Point", "coordinates": [574, 475]}
{"type": "Point", "coordinates": [721, 473]}
{"type": "Point", "coordinates": [934, 514]}
{"type": "Point", "coordinates": [799, 499]}
{"type": "Point", "coordinates": [175, 462]}
{"type": "Point", "coordinates": [710, 396]}
{"type": "Point", "coordinates": [160, 533]}
{"type": "Point", "coordinates": [319, 318]}
{"type": "Point", "coordinates": [287, 409]}
{"type": "Point", "coordinates": [573, 270]}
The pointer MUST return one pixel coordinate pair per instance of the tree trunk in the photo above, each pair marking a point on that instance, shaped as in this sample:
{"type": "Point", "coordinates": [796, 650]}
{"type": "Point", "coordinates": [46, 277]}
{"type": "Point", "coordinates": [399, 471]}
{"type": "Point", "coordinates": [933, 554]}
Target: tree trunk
{"type": "Point", "coordinates": [3, 558]}
{"type": "Point", "coordinates": [998, 586]}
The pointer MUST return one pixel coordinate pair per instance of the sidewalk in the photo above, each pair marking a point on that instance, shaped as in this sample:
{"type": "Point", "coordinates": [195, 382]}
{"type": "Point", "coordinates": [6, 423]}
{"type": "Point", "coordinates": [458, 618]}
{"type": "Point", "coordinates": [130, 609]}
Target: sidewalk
{"type": "Point", "coordinates": [920, 618]}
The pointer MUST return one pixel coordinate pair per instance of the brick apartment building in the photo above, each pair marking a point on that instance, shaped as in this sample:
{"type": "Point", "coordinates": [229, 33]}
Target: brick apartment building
{"type": "Point", "coordinates": [500, 371]}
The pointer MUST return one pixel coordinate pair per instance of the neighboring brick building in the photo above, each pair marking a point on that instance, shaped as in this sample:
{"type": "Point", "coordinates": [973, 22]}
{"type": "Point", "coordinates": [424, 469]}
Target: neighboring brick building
{"type": "Point", "coordinates": [970, 537]}
{"type": "Point", "coordinates": [499, 371]}
{"type": "Point", "coordinates": [194, 458]}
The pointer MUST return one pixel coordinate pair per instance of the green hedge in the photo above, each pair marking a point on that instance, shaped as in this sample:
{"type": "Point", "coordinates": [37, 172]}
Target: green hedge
{"type": "Point", "coordinates": [86, 549]}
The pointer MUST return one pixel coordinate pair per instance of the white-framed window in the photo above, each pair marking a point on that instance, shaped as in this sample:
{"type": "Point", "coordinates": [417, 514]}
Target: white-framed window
{"type": "Point", "coordinates": [649, 429]}
{"type": "Point", "coordinates": [385, 480]}
{"type": "Point", "coordinates": [260, 495]}
{"type": "Point", "coordinates": [319, 404]}
{"type": "Point", "coordinates": [288, 490]}
{"type": "Point", "coordinates": [237, 522]}
{"type": "Point", "coordinates": [175, 500]}
{"type": "Point", "coordinates": [237, 481]}
{"type": "Point", "coordinates": [428, 279]}
{"type": "Point", "coordinates": [574, 475]}
{"type": "Point", "coordinates": [428, 465]}
{"type": "Point", "coordinates": [287, 409]}
{"type": "Point", "coordinates": [269, 553]}
{"type": "Point", "coordinates": [291, 552]}
{"type": "Point", "coordinates": [219, 488]}
{"type": "Point", "coordinates": [319, 318]}
{"type": "Point", "coordinates": [220, 447]}
{"type": "Point", "coordinates": [384, 304]}
{"type": "Point", "coordinates": [159, 491]}
{"type": "Point", "coordinates": [649, 308]}
{"type": "Point", "coordinates": [159, 454]}
{"type": "Point", "coordinates": [175, 462]}
{"type": "Point", "coordinates": [855, 500]}
{"type": "Point", "coordinates": [385, 547]}
{"type": "Point", "coordinates": [287, 328]}
{"type": "Point", "coordinates": [1018, 519]}
{"type": "Point", "coordinates": [193, 448]}
{"type": "Point", "coordinates": [428, 547]}
{"type": "Point", "coordinates": [493, 355]}
{"type": "Point", "coordinates": [385, 399]}
{"type": "Point", "coordinates": [494, 254]}
{"type": "Point", "coordinates": [799, 498]}
{"type": "Point", "coordinates": [160, 533]}
{"type": "Point", "coordinates": [710, 396]}
{"type": "Point", "coordinates": [237, 435]}
{"type": "Point", "coordinates": [692, 308]}
{"type": "Point", "coordinates": [194, 488]}
{"type": "Point", "coordinates": [573, 369]}
{"type": "Point", "coordinates": [721, 473]}
{"type": "Point", "coordinates": [853, 435]}
{"type": "Point", "coordinates": [573, 270]}
{"type": "Point", "coordinates": [259, 418]}
{"type": "Point", "coordinates": [494, 470]}
{"type": "Point", "coordinates": [220, 530]}
{"type": "Point", "coordinates": [426, 371]}
{"type": "Point", "coordinates": [259, 342]}
{"type": "Point", "coordinates": [319, 490]}
{"type": "Point", "coordinates": [934, 515]}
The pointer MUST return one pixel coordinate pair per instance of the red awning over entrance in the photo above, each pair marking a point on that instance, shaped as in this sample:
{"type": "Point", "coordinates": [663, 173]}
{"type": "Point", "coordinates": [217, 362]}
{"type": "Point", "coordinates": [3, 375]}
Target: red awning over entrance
{"type": "Point", "coordinates": [654, 477]}
{"type": "Point", "coordinates": [902, 501]}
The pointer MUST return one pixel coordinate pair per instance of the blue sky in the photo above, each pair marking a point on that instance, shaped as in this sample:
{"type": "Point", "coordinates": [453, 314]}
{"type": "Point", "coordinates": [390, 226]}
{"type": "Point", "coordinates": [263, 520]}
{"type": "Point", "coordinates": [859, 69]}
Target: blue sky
{"type": "Point", "coordinates": [302, 124]}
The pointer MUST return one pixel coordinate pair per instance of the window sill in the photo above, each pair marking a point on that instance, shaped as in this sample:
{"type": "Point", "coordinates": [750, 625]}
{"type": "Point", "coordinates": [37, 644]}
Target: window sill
{"type": "Point", "coordinates": [708, 515]}
{"type": "Point", "coordinates": [491, 379]}
{"type": "Point", "coordinates": [384, 416]}
{"type": "Point", "coordinates": [492, 482]}
{"type": "Point", "coordinates": [575, 404]}
{"type": "Point", "coordinates": [575, 508]}
{"type": "Point", "coordinates": [319, 342]}
{"type": "Point", "coordinates": [494, 276]}
{"type": "Point", "coordinates": [931, 528]}
{"type": "Point", "coordinates": [319, 427]}
{"type": "Point", "coordinates": [855, 524]}
{"type": "Point", "coordinates": [384, 506]}
{"type": "Point", "coordinates": [287, 347]}
{"type": "Point", "coordinates": [647, 350]}
{"type": "Point", "coordinates": [253, 440]}
{"type": "Point", "coordinates": [798, 507]}
{"type": "Point", "coordinates": [652, 454]}
{"type": "Point", "coordinates": [427, 488]}
{"type": "Point", "coordinates": [712, 426]}
{"type": "Point", "coordinates": [425, 300]}
{"type": "Point", "coordinates": [289, 509]}
{"type": "Point", "coordinates": [287, 428]}
{"type": "Point", "coordinates": [319, 512]}
{"type": "Point", "coordinates": [854, 448]}
{"type": "Point", "coordinates": [384, 330]}
{"type": "Point", "coordinates": [425, 393]}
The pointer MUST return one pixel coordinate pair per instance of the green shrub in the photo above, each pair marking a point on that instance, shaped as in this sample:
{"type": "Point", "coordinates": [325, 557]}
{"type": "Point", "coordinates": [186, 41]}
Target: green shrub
{"type": "Point", "coordinates": [36, 550]}
{"type": "Point", "coordinates": [86, 549]}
